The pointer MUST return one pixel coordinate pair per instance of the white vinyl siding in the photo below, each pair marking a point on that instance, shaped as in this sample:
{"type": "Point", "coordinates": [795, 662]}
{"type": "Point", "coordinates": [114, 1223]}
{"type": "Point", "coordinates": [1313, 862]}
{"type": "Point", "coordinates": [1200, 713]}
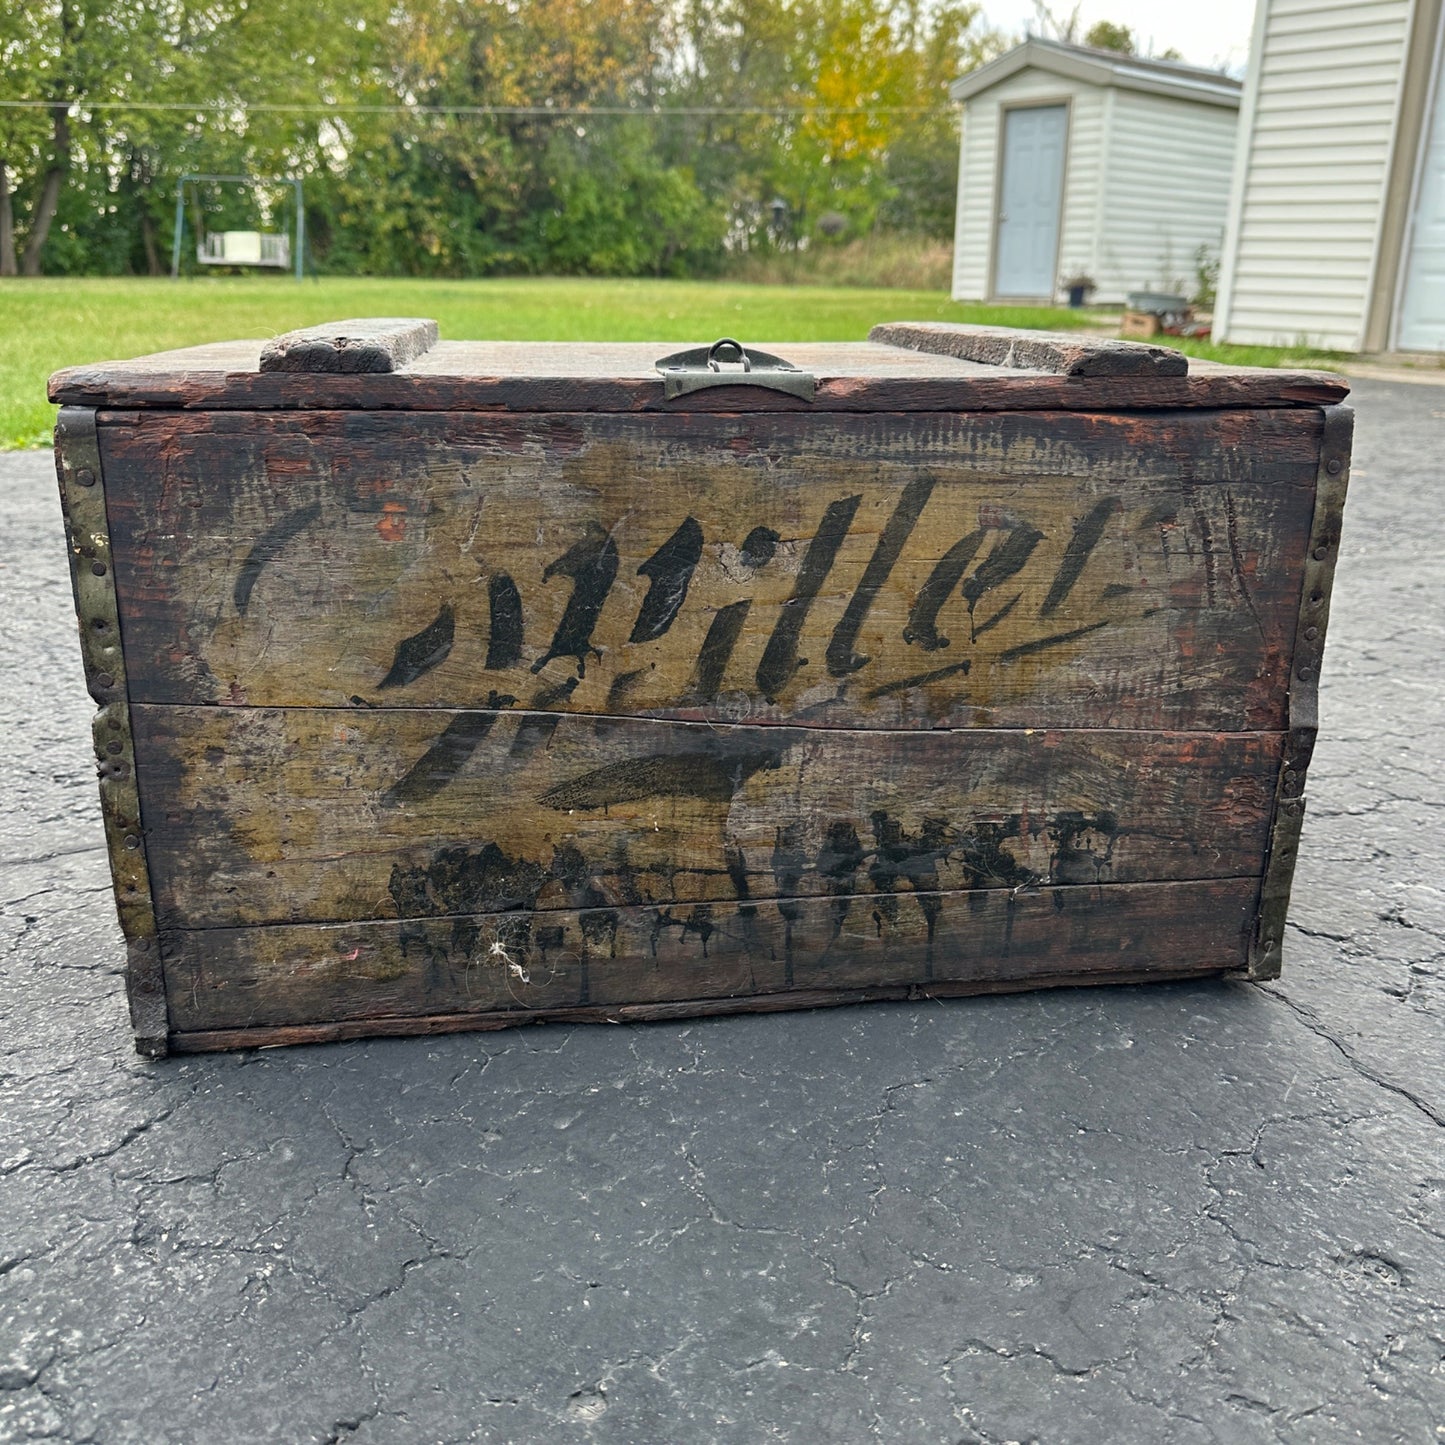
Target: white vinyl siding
{"type": "Point", "coordinates": [1165, 193]}
{"type": "Point", "coordinates": [1301, 255]}
{"type": "Point", "coordinates": [978, 174]}
{"type": "Point", "coordinates": [1146, 182]}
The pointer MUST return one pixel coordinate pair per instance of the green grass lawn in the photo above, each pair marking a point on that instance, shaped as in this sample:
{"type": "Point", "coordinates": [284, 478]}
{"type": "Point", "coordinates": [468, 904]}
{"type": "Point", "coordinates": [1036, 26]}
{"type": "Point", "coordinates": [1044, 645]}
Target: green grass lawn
{"type": "Point", "coordinates": [48, 324]}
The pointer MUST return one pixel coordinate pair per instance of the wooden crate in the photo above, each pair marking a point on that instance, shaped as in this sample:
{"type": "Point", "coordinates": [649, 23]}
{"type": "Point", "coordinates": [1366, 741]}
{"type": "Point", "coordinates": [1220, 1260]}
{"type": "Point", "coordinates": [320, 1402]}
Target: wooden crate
{"type": "Point", "coordinates": [1140, 324]}
{"type": "Point", "coordinates": [452, 686]}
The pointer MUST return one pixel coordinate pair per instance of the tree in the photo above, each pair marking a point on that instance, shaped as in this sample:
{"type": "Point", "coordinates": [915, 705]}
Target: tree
{"type": "Point", "coordinates": [1106, 35]}
{"type": "Point", "coordinates": [1065, 28]}
{"type": "Point", "coordinates": [839, 106]}
{"type": "Point", "coordinates": [82, 60]}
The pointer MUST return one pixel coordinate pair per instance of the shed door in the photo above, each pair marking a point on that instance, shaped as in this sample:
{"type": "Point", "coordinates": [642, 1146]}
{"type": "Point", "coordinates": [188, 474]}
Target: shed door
{"type": "Point", "coordinates": [1030, 198]}
{"type": "Point", "coordinates": [1422, 306]}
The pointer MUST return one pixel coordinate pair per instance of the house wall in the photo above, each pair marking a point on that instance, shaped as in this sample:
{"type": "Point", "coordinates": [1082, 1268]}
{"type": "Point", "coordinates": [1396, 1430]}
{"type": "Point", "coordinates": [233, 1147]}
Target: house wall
{"type": "Point", "coordinates": [1166, 167]}
{"type": "Point", "coordinates": [1312, 172]}
{"type": "Point", "coordinates": [974, 226]}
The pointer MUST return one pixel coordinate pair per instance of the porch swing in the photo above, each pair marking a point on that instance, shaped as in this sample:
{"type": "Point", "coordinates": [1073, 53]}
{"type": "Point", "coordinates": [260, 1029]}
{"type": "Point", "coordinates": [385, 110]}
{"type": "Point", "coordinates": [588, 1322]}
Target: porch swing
{"type": "Point", "coordinates": [266, 250]}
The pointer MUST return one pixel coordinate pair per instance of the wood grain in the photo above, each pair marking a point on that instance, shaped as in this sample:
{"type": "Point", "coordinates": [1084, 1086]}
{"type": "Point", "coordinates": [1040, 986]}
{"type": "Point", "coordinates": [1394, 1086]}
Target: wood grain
{"type": "Point", "coordinates": [621, 377]}
{"type": "Point", "coordinates": [877, 571]}
{"type": "Point", "coordinates": [1063, 353]}
{"type": "Point", "coordinates": [269, 1036]}
{"type": "Point", "coordinates": [259, 816]}
{"type": "Point", "coordinates": [493, 966]}
{"type": "Point", "coordinates": [371, 345]}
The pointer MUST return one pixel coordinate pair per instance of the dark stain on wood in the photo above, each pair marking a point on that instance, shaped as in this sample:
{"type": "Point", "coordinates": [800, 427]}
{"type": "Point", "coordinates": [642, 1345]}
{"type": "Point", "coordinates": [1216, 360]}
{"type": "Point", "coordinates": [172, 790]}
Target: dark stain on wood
{"type": "Point", "coordinates": [922, 679]}
{"type": "Point", "coordinates": [1042, 644]}
{"type": "Point", "coordinates": [621, 686]}
{"type": "Point", "coordinates": [629, 957]}
{"type": "Point", "coordinates": [1001, 616]}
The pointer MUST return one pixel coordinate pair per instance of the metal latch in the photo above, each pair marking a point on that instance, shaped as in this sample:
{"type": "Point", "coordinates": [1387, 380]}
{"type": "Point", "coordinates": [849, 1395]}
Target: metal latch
{"type": "Point", "coordinates": [702, 367]}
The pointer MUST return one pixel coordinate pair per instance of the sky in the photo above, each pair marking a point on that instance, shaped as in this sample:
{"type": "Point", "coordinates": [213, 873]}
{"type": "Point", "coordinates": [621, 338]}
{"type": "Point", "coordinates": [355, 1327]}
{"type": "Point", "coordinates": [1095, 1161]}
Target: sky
{"type": "Point", "coordinates": [1214, 33]}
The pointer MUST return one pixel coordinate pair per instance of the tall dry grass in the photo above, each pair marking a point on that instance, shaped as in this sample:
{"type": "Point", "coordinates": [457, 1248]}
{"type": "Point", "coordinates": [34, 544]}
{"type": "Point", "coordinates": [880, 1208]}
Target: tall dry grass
{"type": "Point", "coordinates": [884, 259]}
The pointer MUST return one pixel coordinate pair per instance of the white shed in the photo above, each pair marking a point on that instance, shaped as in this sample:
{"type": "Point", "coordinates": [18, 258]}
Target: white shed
{"type": "Point", "coordinates": [1081, 160]}
{"type": "Point", "coordinates": [1337, 222]}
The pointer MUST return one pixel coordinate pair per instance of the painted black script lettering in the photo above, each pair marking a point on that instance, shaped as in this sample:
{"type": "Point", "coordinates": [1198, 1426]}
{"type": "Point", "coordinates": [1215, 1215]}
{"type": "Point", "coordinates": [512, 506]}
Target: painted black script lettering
{"type": "Point", "coordinates": [592, 566]}
{"type": "Point", "coordinates": [717, 650]}
{"type": "Point", "coordinates": [268, 547]}
{"type": "Point", "coordinates": [841, 658]}
{"type": "Point", "coordinates": [1087, 532]}
{"type": "Point", "coordinates": [923, 619]}
{"type": "Point", "coordinates": [780, 657]}
{"type": "Point", "coordinates": [670, 569]}
{"type": "Point", "coordinates": [422, 651]}
{"type": "Point", "coordinates": [504, 604]}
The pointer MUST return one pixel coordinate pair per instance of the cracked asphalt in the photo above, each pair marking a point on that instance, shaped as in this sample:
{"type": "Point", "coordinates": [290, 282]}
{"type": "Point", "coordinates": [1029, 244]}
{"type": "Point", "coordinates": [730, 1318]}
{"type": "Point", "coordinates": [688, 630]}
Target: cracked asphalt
{"type": "Point", "coordinates": [1183, 1213]}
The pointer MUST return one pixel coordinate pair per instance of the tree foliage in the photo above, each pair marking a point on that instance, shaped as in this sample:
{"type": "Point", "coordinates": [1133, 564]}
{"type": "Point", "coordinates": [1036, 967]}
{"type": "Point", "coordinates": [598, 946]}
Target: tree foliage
{"type": "Point", "coordinates": [696, 116]}
{"type": "Point", "coordinates": [1106, 35]}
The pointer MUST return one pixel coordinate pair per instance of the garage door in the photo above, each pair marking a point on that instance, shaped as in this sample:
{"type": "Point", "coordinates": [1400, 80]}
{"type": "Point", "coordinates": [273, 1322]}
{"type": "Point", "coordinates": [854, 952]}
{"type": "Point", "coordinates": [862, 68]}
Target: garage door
{"type": "Point", "coordinates": [1422, 306]}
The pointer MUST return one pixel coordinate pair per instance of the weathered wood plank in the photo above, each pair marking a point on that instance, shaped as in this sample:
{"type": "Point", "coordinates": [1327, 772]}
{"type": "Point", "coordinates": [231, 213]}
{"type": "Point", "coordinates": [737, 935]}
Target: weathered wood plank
{"type": "Point", "coordinates": [491, 968]}
{"type": "Point", "coordinates": [620, 377]}
{"type": "Point", "coordinates": [261, 816]}
{"type": "Point", "coordinates": [270, 1036]}
{"type": "Point", "coordinates": [1062, 353]}
{"type": "Point", "coordinates": [369, 346]}
{"type": "Point", "coordinates": [880, 571]}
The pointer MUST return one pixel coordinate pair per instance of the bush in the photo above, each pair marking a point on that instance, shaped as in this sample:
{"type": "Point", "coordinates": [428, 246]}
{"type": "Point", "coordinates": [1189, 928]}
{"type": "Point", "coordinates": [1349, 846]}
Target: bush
{"type": "Point", "coordinates": [900, 260]}
{"type": "Point", "coordinates": [618, 211]}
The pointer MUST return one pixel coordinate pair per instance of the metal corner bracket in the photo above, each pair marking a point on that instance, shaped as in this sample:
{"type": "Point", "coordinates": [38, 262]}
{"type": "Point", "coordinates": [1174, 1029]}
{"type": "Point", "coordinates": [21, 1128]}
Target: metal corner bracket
{"type": "Point", "coordinates": [1266, 948]}
{"type": "Point", "coordinates": [82, 499]}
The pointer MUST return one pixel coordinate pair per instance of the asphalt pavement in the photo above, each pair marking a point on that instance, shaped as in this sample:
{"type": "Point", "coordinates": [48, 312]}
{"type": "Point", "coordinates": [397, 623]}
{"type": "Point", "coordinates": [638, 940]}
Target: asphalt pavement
{"type": "Point", "coordinates": [1183, 1213]}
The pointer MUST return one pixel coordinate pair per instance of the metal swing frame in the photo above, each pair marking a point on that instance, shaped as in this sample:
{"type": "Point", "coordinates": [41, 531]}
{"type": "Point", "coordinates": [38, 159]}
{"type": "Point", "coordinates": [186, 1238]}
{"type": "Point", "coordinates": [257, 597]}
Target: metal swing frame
{"type": "Point", "coordinates": [299, 244]}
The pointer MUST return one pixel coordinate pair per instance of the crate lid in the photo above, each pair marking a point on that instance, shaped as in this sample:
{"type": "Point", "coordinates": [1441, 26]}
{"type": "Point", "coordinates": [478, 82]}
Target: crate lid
{"type": "Point", "coordinates": [394, 363]}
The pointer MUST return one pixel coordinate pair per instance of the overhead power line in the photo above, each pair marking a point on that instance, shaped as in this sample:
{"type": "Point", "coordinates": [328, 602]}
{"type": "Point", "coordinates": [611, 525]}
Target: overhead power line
{"type": "Point", "coordinates": [559, 112]}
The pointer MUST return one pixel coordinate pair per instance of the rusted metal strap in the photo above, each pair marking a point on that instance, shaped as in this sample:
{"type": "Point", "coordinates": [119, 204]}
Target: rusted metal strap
{"type": "Point", "coordinates": [1331, 484]}
{"type": "Point", "coordinates": [82, 498]}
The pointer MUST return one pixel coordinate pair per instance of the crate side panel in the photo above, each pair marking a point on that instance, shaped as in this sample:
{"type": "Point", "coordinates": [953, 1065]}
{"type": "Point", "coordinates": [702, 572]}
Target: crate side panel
{"type": "Point", "coordinates": [883, 571]}
{"type": "Point", "coordinates": [519, 964]}
{"type": "Point", "coordinates": [285, 815]}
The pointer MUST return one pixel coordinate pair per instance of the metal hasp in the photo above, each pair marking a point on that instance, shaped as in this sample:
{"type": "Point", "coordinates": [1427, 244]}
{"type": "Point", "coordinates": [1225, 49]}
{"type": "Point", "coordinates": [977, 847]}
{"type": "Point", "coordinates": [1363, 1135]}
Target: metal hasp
{"type": "Point", "coordinates": [702, 367]}
{"type": "Point", "coordinates": [1332, 481]}
{"type": "Point", "coordinates": [82, 497]}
